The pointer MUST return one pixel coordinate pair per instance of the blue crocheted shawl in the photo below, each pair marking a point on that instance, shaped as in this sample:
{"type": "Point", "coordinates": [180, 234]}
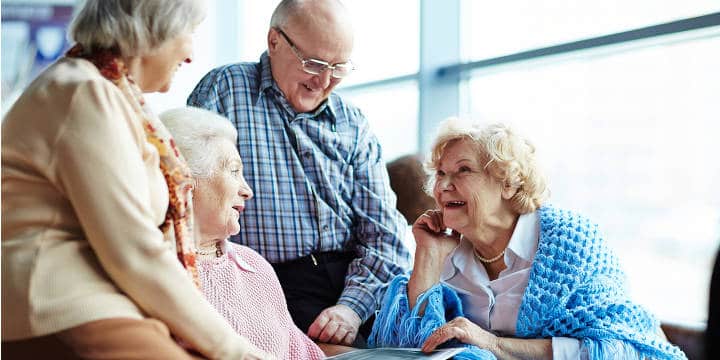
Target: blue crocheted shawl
{"type": "Point", "coordinates": [576, 289]}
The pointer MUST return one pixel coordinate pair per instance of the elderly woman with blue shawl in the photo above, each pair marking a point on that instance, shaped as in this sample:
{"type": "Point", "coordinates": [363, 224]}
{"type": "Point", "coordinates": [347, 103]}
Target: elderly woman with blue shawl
{"type": "Point", "coordinates": [504, 273]}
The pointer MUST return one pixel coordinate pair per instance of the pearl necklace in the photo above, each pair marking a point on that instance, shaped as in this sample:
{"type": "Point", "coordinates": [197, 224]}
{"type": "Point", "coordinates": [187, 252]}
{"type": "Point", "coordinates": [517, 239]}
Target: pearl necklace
{"type": "Point", "coordinates": [486, 260]}
{"type": "Point", "coordinates": [218, 252]}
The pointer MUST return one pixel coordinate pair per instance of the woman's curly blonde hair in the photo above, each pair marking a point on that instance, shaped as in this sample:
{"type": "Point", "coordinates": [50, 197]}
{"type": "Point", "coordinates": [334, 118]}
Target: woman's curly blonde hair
{"type": "Point", "coordinates": [508, 157]}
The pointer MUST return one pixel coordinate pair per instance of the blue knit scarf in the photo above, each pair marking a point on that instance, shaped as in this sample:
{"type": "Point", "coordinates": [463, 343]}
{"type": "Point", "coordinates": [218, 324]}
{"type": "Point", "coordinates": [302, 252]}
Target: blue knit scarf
{"type": "Point", "coordinates": [576, 289]}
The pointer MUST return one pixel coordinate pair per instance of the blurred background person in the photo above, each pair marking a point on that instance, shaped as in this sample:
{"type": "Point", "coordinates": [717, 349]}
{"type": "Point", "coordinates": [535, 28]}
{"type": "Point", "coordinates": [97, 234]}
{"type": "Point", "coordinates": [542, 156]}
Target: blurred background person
{"type": "Point", "coordinates": [407, 179]}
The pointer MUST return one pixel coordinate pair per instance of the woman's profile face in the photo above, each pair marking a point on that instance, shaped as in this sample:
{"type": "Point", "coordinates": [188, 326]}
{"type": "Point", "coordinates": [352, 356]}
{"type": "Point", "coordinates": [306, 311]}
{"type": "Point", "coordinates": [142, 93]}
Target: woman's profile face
{"type": "Point", "coordinates": [219, 199]}
{"type": "Point", "coordinates": [158, 68]}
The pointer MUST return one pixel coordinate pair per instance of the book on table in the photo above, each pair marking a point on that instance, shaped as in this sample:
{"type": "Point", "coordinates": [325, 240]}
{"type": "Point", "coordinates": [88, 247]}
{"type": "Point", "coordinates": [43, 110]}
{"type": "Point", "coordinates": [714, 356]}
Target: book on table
{"type": "Point", "coordinates": [397, 353]}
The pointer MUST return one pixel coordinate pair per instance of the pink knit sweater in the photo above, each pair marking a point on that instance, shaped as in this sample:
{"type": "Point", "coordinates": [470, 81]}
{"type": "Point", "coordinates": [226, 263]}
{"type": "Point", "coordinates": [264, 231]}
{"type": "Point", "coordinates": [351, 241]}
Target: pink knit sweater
{"type": "Point", "coordinates": [243, 287]}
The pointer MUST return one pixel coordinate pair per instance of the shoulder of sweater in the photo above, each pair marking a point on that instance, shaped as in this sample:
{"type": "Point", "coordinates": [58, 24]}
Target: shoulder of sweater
{"type": "Point", "coordinates": [69, 86]}
{"type": "Point", "coordinates": [72, 73]}
{"type": "Point", "coordinates": [560, 220]}
{"type": "Point", "coordinates": [563, 230]}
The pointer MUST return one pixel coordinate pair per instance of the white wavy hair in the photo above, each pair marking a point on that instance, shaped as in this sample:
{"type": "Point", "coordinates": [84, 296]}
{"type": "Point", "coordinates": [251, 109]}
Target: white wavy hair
{"type": "Point", "coordinates": [508, 157]}
{"type": "Point", "coordinates": [197, 132]}
{"type": "Point", "coordinates": [135, 27]}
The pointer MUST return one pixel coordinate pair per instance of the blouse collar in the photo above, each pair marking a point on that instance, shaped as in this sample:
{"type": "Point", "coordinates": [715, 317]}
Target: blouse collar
{"type": "Point", "coordinates": [523, 244]}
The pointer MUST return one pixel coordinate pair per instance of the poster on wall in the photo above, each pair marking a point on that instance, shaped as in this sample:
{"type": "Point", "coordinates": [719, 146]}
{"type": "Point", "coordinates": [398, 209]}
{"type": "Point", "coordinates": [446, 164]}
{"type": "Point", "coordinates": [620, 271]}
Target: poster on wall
{"type": "Point", "coordinates": [33, 36]}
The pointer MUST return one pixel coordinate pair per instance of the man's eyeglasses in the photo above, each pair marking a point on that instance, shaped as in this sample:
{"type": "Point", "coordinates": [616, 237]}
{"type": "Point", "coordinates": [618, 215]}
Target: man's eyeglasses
{"type": "Point", "coordinates": [315, 66]}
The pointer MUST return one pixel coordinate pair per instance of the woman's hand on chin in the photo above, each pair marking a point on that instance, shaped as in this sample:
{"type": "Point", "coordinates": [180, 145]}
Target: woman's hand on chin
{"type": "Point", "coordinates": [431, 237]}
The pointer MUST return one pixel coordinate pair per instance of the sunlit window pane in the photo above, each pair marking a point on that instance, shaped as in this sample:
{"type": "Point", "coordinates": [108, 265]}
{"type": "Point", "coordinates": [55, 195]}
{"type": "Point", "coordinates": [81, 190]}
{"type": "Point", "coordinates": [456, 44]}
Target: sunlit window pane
{"type": "Point", "coordinates": [254, 23]}
{"type": "Point", "coordinates": [495, 28]}
{"type": "Point", "coordinates": [386, 38]}
{"type": "Point", "coordinates": [392, 111]}
{"type": "Point", "coordinates": [630, 139]}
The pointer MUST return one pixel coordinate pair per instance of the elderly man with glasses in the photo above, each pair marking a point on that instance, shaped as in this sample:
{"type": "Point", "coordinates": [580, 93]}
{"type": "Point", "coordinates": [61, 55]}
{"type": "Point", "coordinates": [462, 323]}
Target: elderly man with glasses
{"type": "Point", "coordinates": [324, 214]}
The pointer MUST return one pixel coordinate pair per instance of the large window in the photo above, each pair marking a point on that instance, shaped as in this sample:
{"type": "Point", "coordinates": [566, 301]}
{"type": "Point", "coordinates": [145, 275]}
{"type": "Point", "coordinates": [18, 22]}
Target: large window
{"type": "Point", "coordinates": [627, 135]}
{"type": "Point", "coordinates": [254, 20]}
{"type": "Point", "coordinates": [386, 46]}
{"type": "Point", "coordinates": [498, 28]}
{"type": "Point", "coordinates": [386, 39]}
{"type": "Point", "coordinates": [392, 111]}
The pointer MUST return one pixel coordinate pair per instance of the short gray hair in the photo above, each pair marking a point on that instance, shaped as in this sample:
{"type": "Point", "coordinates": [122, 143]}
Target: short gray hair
{"type": "Point", "coordinates": [287, 9]}
{"type": "Point", "coordinates": [196, 132]}
{"type": "Point", "coordinates": [281, 15]}
{"type": "Point", "coordinates": [508, 158]}
{"type": "Point", "coordinates": [134, 27]}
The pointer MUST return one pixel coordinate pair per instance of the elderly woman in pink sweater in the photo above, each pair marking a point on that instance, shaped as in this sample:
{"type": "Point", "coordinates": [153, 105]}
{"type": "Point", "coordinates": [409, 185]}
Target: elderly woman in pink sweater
{"type": "Point", "coordinates": [239, 282]}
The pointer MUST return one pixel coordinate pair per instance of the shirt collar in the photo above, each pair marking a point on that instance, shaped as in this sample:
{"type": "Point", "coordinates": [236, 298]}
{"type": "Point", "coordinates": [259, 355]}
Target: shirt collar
{"type": "Point", "coordinates": [267, 83]}
{"type": "Point", "coordinates": [459, 259]}
{"type": "Point", "coordinates": [524, 240]}
{"type": "Point", "coordinates": [523, 244]}
{"type": "Point", "coordinates": [236, 258]}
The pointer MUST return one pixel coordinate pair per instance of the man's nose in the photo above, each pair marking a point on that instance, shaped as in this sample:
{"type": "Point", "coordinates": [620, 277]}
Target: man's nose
{"type": "Point", "coordinates": [324, 78]}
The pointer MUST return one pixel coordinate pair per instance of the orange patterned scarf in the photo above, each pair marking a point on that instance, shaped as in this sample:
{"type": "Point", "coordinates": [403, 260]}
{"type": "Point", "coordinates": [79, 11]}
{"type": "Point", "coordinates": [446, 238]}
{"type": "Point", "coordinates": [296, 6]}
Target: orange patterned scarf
{"type": "Point", "coordinates": [178, 220]}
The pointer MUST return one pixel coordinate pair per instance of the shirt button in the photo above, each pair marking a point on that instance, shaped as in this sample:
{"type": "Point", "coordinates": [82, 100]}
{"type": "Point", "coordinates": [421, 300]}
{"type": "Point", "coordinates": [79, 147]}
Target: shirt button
{"type": "Point", "coordinates": [325, 228]}
{"type": "Point", "coordinates": [307, 154]}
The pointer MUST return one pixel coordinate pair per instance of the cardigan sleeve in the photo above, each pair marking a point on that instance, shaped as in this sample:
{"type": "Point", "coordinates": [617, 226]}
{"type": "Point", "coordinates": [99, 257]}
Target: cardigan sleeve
{"type": "Point", "coordinates": [396, 325]}
{"type": "Point", "coordinates": [99, 165]}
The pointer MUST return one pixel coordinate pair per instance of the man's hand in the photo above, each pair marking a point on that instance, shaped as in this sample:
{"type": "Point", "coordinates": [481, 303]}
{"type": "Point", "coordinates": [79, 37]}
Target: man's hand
{"type": "Point", "coordinates": [337, 324]}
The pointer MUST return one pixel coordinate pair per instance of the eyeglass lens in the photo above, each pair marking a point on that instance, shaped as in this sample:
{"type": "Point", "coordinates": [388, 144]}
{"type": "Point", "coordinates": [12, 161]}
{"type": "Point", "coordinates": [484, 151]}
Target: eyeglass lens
{"type": "Point", "coordinates": [314, 67]}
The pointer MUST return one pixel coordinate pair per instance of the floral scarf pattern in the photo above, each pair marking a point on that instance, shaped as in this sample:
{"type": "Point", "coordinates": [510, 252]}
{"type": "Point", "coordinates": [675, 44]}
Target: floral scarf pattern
{"type": "Point", "coordinates": [178, 219]}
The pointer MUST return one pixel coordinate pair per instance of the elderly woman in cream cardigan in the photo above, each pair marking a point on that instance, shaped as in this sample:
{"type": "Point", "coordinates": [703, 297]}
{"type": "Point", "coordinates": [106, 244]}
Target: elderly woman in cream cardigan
{"type": "Point", "coordinates": [235, 279]}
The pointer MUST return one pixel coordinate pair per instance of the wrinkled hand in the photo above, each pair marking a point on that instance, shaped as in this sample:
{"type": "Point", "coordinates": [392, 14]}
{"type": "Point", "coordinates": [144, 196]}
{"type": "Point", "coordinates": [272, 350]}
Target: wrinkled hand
{"type": "Point", "coordinates": [337, 324]}
{"type": "Point", "coordinates": [464, 331]}
{"type": "Point", "coordinates": [430, 235]}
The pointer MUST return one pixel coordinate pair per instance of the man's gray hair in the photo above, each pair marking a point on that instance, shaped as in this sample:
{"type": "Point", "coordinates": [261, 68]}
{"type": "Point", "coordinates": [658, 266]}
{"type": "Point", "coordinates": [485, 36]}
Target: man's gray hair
{"type": "Point", "coordinates": [135, 27]}
{"type": "Point", "coordinates": [197, 133]}
{"type": "Point", "coordinates": [283, 12]}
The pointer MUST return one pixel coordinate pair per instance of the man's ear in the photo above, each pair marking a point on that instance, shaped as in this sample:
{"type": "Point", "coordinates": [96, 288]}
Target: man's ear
{"type": "Point", "coordinates": [273, 39]}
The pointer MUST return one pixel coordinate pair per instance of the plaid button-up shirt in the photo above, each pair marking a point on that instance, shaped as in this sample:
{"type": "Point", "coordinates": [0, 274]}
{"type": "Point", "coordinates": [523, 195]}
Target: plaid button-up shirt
{"type": "Point", "coordinates": [319, 180]}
